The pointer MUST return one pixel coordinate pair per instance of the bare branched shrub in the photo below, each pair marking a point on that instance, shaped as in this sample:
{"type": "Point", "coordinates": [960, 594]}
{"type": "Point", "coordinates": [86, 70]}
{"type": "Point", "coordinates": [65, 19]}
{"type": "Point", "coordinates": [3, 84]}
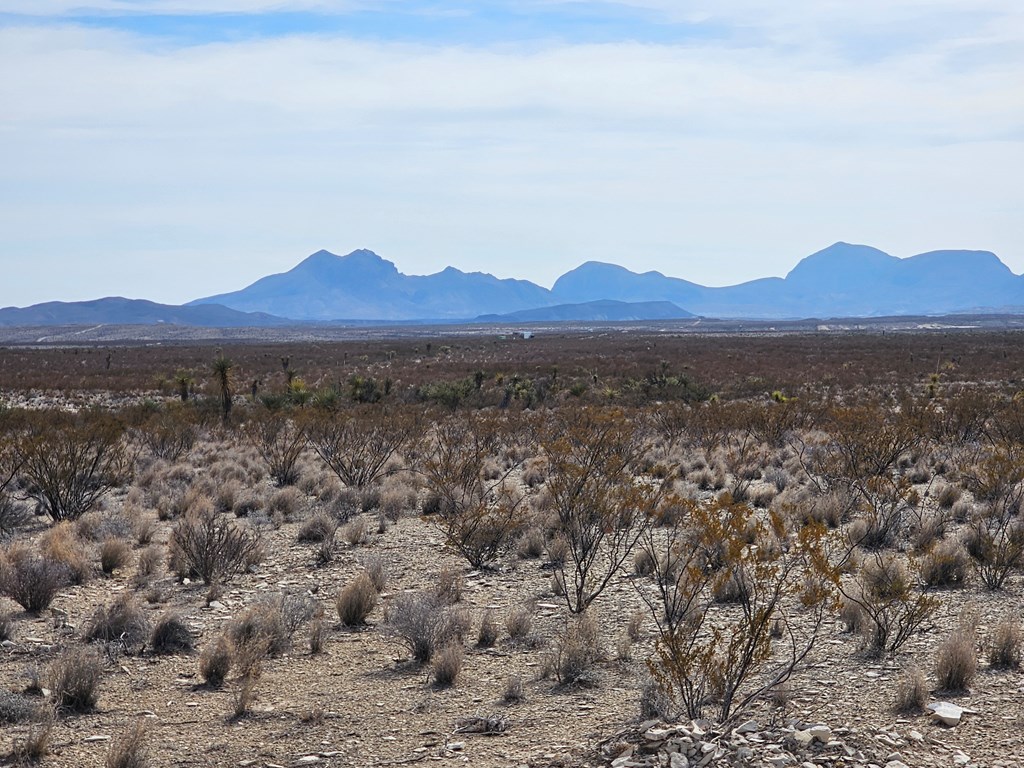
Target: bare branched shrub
{"type": "Point", "coordinates": [122, 621]}
{"type": "Point", "coordinates": [74, 680]}
{"type": "Point", "coordinates": [423, 624]}
{"type": "Point", "coordinates": [279, 442]}
{"type": "Point", "coordinates": [956, 662]}
{"type": "Point", "coordinates": [170, 433]}
{"type": "Point", "coordinates": [359, 445]}
{"type": "Point", "coordinates": [447, 665]}
{"type": "Point", "coordinates": [479, 517]}
{"type": "Point", "coordinates": [210, 547]}
{"type": "Point", "coordinates": [356, 600]}
{"type": "Point", "coordinates": [72, 460]}
{"type": "Point", "coordinates": [911, 692]}
{"type": "Point", "coordinates": [30, 580]}
{"type": "Point", "coordinates": [216, 661]}
{"type": "Point", "coordinates": [1005, 646]}
{"type": "Point", "coordinates": [171, 635]}
{"type": "Point", "coordinates": [130, 749]}
{"type": "Point", "coordinates": [268, 627]}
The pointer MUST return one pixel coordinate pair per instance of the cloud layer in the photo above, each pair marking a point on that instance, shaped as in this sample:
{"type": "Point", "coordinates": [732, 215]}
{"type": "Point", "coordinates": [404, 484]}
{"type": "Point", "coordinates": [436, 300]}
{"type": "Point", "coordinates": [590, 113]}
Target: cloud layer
{"type": "Point", "coordinates": [716, 146]}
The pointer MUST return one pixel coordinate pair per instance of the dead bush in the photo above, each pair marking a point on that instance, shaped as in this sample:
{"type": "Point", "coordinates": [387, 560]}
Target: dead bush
{"type": "Point", "coordinates": [375, 567]}
{"type": "Point", "coordinates": [130, 749]}
{"type": "Point", "coordinates": [113, 555]}
{"type": "Point", "coordinates": [74, 680]}
{"type": "Point", "coordinates": [956, 662]}
{"type": "Point", "coordinates": [1005, 646]}
{"type": "Point", "coordinates": [279, 443]}
{"type": "Point", "coordinates": [447, 665]}
{"type": "Point", "coordinates": [356, 600]}
{"type": "Point", "coordinates": [911, 692]}
{"type": "Point", "coordinates": [423, 624]}
{"type": "Point", "coordinates": [514, 690]}
{"type": "Point", "coordinates": [211, 548]}
{"type": "Point", "coordinates": [30, 580]}
{"type": "Point", "coordinates": [519, 622]}
{"type": "Point", "coordinates": [62, 545]}
{"type": "Point", "coordinates": [488, 634]}
{"type": "Point", "coordinates": [319, 527]}
{"type": "Point", "coordinates": [449, 585]}
{"type": "Point", "coordinates": [216, 661]}
{"type": "Point", "coordinates": [531, 544]}
{"type": "Point", "coordinates": [17, 708]}
{"type": "Point", "coordinates": [945, 565]}
{"type": "Point", "coordinates": [122, 621]}
{"type": "Point", "coordinates": [577, 652]}
{"type": "Point", "coordinates": [171, 635]}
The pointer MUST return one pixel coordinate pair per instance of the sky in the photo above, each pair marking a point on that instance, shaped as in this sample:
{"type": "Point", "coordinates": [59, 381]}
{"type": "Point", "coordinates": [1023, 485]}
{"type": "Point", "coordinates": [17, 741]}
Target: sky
{"type": "Point", "coordinates": [172, 149]}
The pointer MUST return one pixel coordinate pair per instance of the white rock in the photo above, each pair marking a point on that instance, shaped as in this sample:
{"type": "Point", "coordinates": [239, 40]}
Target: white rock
{"type": "Point", "coordinates": [946, 712]}
{"type": "Point", "coordinates": [820, 732]}
{"type": "Point", "coordinates": [803, 738]}
{"type": "Point", "coordinates": [677, 760]}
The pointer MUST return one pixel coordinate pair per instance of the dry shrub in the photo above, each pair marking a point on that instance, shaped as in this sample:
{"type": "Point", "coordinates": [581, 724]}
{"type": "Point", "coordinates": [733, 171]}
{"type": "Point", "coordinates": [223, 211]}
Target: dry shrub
{"type": "Point", "coordinates": [319, 527]}
{"type": "Point", "coordinates": [216, 661]}
{"type": "Point", "coordinates": [514, 690]}
{"type": "Point", "coordinates": [449, 585]}
{"type": "Point", "coordinates": [130, 750]}
{"type": "Point", "coordinates": [31, 580]}
{"type": "Point", "coordinates": [356, 600]}
{"type": "Point", "coordinates": [144, 529]}
{"type": "Point", "coordinates": [248, 503]}
{"type": "Point", "coordinates": [853, 616]}
{"type": "Point", "coordinates": [947, 495]}
{"type": "Point", "coordinates": [558, 550]}
{"type": "Point", "coordinates": [354, 532]}
{"type": "Point", "coordinates": [911, 692]}
{"type": "Point", "coordinates": [644, 563]}
{"type": "Point", "coordinates": [6, 626]}
{"type": "Point", "coordinates": [488, 634]}
{"type": "Point", "coordinates": [149, 563]}
{"type": "Point", "coordinates": [317, 636]}
{"type": "Point", "coordinates": [729, 588]}
{"type": "Point", "coordinates": [171, 635]}
{"type": "Point", "coordinates": [654, 702]}
{"type": "Point", "coordinates": [113, 555]}
{"type": "Point", "coordinates": [17, 708]}
{"type": "Point", "coordinates": [210, 547]}
{"type": "Point", "coordinates": [62, 545]}
{"type": "Point", "coordinates": [227, 495]}
{"type": "Point", "coordinates": [375, 567]}
{"type": "Point", "coordinates": [394, 501]}
{"type": "Point", "coordinates": [269, 626]}
{"type": "Point", "coordinates": [447, 665]}
{"type": "Point", "coordinates": [885, 577]}
{"type": "Point", "coordinates": [74, 680]}
{"type": "Point", "coordinates": [519, 622]}
{"type": "Point", "coordinates": [945, 565]}
{"type": "Point", "coordinates": [635, 627]}
{"type": "Point", "coordinates": [287, 502]}
{"type": "Point", "coordinates": [577, 652]}
{"type": "Point", "coordinates": [423, 624]}
{"type": "Point", "coordinates": [35, 744]}
{"type": "Point", "coordinates": [1005, 648]}
{"type": "Point", "coordinates": [957, 660]}
{"type": "Point", "coordinates": [243, 695]}
{"type": "Point", "coordinates": [123, 621]}
{"type": "Point", "coordinates": [531, 544]}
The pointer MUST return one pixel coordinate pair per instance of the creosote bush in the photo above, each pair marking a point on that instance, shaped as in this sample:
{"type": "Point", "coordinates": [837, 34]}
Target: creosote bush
{"type": "Point", "coordinates": [211, 547]}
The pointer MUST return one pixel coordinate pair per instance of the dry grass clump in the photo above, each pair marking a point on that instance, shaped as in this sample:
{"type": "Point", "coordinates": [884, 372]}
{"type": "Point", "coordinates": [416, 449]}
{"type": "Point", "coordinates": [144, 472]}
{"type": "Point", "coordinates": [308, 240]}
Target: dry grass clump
{"type": "Point", "coordinates": [354, 532]}
{"type": "Point", "coordinates": [123, 621]}
{"type": "Point", "coordinates": [911, 692]}
{"type": "Point", "coordinates": [130, 749]}
{"type": "Point", "coordinates": [519, 622]}
{"type": "Point", "coordinates": [946, 495]}
{"type": "Point", "coordinates": [644, 563]}
{"type": "Point", "coordinates": [488, 634]}
{"type": "Point", "coordinates": [317, 635]}
{"type": "Point", "coordinates": [449, 585]}
{"type": "Point", "coordinates": [286, 501]}
{"type": "Point", "coordinates": [375, 567]}
{"type": "Point", "coordinates": [957, 661]}
{"type": "Point", "coordinates": [62, 545]}
{"type": "Point", "coordinates": [74, 680]}
{"type": "Point", "coordinates": [270, 625]}
{"type": "Point", "coordinates": [114, 554]}
{"type": "Point", "coordinates": [885, 577]}
{"type": "Point", "coordinates": [171, 635]}
{"type": "Point", "coordinates": [6, 626]}
{"type": "Point", "coordinates": [29, 579]}
{"type": "Point", "coordinates": [17, 708]}
{"type": "Point", "coordinates": [1005, 646]}
{"type": "Point", "coordinates": [150, 560]}
{"type": "Point", "coordinates": [577, 652]}
{"type": "Point", "coordinates": [531, 544]}
{"type": "Point", "coordinates": [248, 503]}
{"type": "Point", "coordinates": [35, 744]}
{"type": "Point", "coordinates": [216, 661]}
{"type": "Point", "coordinates": [226, 496]}
{"type": "Point", "coordinates": [317, 528]}
{"type": "Point", "coordinates": [945, 565]}
{"type": "Point", "coordinates": [423, 624]}
{"type": "Point", "coordinates": [356, 600]}
{"type": "Point", "coordinates": [514, 690]}
{"type": "Point", "coordinates": [447, 665]}
{"type": "Point", "coordinates": [853, 616]}
{"type": "Point", "coordinates": [144, 528]}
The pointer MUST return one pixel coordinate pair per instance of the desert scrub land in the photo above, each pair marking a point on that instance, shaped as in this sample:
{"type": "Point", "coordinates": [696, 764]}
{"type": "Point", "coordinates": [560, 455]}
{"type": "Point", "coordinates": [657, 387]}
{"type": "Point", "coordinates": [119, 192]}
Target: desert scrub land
{"type": "Point", "coordinates": [585, 550]}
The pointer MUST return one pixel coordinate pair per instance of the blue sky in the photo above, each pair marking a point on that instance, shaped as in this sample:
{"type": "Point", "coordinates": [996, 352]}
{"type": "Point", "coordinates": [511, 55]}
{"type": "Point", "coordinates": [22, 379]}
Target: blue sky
{"type": "Point", "coordinates": [168, 149]}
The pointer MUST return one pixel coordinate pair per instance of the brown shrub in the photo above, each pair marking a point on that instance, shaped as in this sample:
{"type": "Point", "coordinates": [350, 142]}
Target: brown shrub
{"type": "Point", "coordinates": [911, 692]}
{"type": "Point", "coordinates": [30, 580]}
{"type": "Point", "coordinates": [319, 527]}
{"type": "Point", "coordinates": [1005, 646]}
{"type": "Point", "coordinates": [423, 624]}
{"type": "Point", "coordinates": [488, 634]}
{"type": "Point", "coordinates": [957, 660]}
{"type": "Point", "coordinates": [447, 665]}
{"type": "Point", "coordinates": [122, 621]}
{"type": "Point", "coordinates": [74, 680]}
{"type": "Point", "coordinates": [356, 600]}
{"type": "Point", "coordinates": [130, 749]}
{"type": "Point", "coordinates": [375, 567]}
{"type": "Point", "coordinates": [519, 622]}
{"type": "Point", "coordinates": [216, 661]}
{"type": "Point", "coordinates": [62, 545]}
{"type": "Point", "coordinates": [577, 652]}
{"type": "Point", "coordinates": [945, 565]}
{"type": "Point", "coordinates": [171, 635]}
{"type": "Point", "coordinates": [113, 555]}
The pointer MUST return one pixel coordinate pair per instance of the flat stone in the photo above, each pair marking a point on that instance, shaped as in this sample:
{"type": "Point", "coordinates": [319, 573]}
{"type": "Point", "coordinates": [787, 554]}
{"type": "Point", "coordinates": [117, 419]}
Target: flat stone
{"type": "Point", "coordinates": [91, 739]}
{"type": "Point", "coordinates": [751, 726]}
{"type": "Point", "coordinates": [946, 712]}
{"type": "Point", "coordinates": [678, 760]}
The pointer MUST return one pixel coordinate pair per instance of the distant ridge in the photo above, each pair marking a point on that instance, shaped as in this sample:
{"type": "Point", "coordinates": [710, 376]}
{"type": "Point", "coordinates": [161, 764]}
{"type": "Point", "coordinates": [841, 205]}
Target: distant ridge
{"type": "Point", "coordinates": [842, 281]}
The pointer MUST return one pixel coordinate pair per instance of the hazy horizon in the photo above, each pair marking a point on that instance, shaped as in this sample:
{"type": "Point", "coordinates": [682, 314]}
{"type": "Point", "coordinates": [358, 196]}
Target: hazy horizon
{"type": "Point", "coordinates": [171, 149]}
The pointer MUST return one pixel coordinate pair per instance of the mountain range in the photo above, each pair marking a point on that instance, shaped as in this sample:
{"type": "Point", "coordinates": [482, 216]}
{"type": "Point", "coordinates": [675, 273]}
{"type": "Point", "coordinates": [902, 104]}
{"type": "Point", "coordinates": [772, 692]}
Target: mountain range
{"type": "Point", "coordinates": [842, 280]}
